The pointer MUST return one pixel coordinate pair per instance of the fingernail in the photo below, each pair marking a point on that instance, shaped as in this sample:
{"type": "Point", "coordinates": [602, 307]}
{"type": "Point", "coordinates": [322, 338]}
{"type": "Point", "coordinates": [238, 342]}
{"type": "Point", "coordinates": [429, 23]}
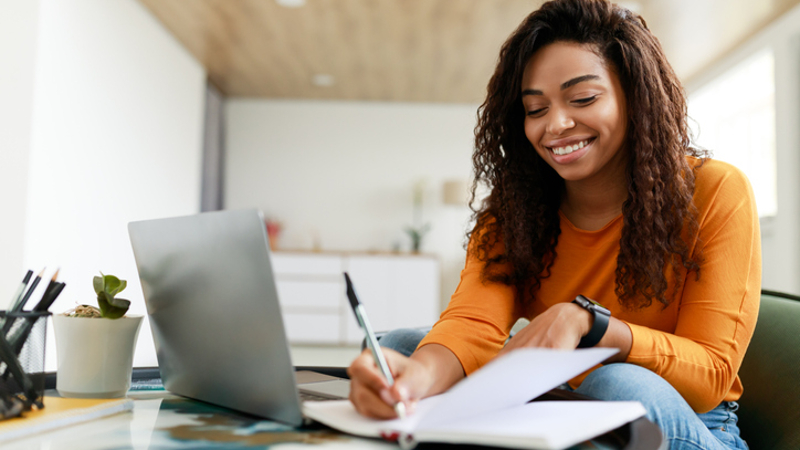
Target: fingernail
{"type": "Point", "coordinates": [386, 396]}
{"type": "Point", "coordinates": [403, 392]}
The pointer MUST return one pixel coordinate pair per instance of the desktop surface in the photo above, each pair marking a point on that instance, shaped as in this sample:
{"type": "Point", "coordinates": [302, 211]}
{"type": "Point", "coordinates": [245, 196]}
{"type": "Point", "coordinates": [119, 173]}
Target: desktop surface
{"type": "Point", "coordinates": [161, 420]}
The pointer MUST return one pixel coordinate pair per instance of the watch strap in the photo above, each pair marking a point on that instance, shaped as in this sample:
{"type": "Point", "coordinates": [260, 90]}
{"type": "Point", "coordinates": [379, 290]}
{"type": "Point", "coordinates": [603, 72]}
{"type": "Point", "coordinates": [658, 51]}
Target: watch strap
{"type": "Point", "coordinates": [599, 325]}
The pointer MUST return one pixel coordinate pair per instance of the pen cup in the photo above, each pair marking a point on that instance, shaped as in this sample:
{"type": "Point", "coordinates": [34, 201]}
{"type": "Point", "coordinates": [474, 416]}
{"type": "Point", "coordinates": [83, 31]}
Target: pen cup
{"type": "Point", "coordinates": [22, 345]}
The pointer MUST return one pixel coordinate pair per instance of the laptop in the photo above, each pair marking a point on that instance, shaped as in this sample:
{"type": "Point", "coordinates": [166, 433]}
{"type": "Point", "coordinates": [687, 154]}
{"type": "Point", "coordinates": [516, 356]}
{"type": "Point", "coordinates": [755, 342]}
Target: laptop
{"type": "Point", "coordinates": [213, 308]}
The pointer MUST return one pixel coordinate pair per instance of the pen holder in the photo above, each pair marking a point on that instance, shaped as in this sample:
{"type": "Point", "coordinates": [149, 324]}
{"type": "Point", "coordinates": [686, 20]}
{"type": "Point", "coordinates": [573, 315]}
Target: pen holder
{"type": "Point", "coordinates": [22, 376]}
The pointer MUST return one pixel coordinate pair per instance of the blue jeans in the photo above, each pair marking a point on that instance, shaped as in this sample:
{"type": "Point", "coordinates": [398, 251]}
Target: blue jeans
{"type": "Point", "coordinates": [683, 428]}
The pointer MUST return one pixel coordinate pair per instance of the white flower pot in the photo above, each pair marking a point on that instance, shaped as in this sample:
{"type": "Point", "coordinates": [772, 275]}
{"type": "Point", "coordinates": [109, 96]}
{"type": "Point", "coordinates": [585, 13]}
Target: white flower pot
{"type": "Point", "coordinates": [95, 356]}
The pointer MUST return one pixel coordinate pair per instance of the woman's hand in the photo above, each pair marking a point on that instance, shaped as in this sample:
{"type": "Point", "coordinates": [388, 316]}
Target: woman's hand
{"type": "Point", "coordinates": [370, 392]}
{"type": "Point", "coordinates": [431, 370]}
{"type": "Point", "coordinates": [564, 324]}
{"type": "Point", "coordinates": [560, 326]}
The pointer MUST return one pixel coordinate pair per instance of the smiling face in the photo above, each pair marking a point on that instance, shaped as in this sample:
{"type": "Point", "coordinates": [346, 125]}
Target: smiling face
{"type": "Point", "coordinates": [576, 117]}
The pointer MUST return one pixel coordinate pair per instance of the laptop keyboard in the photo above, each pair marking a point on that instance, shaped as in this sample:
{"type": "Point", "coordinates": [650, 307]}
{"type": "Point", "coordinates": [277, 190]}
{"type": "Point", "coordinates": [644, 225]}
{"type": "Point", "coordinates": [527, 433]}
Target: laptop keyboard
{"type": "Point", "coordinates": [308, 396]}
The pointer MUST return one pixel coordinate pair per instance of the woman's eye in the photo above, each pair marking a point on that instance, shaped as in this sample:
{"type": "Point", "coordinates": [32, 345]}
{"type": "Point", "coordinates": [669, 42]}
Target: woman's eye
{"type": "Point", "coordinates": [536, 112]}
{"type": "Point", "coordinates": [585, 100]}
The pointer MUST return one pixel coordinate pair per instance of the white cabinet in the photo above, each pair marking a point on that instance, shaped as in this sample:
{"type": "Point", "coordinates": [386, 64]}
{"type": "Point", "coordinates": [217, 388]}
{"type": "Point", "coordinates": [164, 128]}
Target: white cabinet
{"type": "Point", "coordinates": [397, 291]}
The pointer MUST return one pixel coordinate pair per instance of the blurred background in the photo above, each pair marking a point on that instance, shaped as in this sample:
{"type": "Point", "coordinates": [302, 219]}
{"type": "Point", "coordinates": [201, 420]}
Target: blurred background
{"type": "Point", "coordinates": [347, 122]}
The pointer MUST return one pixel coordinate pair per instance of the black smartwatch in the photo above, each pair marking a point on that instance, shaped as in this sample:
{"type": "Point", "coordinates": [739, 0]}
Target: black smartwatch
{"type": "Point", "coordinates": [601, 317]}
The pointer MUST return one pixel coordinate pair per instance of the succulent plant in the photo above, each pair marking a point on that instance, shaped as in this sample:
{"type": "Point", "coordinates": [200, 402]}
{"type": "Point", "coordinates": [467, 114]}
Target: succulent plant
{"type": "Point", "coordinates": [111, 307]}
{"type": "Point", "coordinates": [107, 287]}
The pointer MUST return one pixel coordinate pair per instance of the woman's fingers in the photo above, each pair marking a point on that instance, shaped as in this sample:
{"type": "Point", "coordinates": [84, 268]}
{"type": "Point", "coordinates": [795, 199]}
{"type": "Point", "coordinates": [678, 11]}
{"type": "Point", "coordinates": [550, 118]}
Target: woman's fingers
{"type": "Point", "coordinates": [558, 327]}
{"type": "Point", "coordinates": [369, 403]}
{"type": "Point", "coordinates": [364, 369]}
{"type": "Point", "coordinates": [370, 392]}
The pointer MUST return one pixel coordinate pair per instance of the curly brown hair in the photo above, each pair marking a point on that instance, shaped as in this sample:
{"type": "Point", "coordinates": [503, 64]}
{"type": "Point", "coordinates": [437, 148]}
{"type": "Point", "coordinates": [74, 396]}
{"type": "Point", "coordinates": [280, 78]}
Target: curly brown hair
{"type": "Point", "coordinates": [522, 209]}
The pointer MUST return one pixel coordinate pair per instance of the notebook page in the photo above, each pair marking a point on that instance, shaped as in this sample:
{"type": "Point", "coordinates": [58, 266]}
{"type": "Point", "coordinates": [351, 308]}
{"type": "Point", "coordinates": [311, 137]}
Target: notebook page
{"type": "Point", "coordinates": [541, 425]}
{"type": "Point", "coordinates": [512, 380]}
{"type": "Point", "coordinates": [341, 415]}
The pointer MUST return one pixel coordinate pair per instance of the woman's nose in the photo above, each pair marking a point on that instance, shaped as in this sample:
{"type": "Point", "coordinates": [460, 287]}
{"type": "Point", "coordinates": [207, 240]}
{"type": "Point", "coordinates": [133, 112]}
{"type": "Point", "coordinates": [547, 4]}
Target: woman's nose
{"type": "Point", "coordinates": [560, 121]}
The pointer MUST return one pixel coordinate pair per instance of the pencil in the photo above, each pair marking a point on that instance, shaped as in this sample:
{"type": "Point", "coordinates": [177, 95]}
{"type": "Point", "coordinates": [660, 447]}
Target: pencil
{"type": "Point", "coordinates": [48, 289]}
{"type": "Point", "coordinates": [49, 297]}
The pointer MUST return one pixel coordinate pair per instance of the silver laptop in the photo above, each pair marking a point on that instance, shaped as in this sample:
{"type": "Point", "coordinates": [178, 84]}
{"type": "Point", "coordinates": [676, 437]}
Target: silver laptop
{"type": "Point", "coordinates": [214, 313]}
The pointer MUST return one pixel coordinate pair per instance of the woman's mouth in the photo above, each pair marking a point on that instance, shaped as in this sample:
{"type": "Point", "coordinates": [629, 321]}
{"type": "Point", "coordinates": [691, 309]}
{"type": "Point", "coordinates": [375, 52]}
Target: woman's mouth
{"type": "Point", "coordinates": [566, 150]}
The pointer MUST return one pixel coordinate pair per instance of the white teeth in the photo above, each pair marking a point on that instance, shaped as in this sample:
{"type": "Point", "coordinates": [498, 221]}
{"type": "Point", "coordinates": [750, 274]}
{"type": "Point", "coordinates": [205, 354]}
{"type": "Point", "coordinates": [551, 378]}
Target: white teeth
{"type": "Point", "coordinates": [569, 148]}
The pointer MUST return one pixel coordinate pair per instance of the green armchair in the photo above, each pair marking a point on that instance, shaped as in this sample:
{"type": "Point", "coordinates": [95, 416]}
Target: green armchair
{"type": "Point", "coordinates": [769, 410]}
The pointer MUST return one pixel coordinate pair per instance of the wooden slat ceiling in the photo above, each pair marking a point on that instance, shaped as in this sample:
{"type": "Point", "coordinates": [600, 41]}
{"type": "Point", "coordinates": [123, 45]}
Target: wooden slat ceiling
{"type": "Point", "coordinates": [411, 50]}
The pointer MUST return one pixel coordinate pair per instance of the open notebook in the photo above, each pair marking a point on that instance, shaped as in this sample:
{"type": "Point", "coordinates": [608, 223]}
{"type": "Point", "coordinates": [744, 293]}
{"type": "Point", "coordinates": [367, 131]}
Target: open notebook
{"type": "Point", "coordinates": [491, 407]}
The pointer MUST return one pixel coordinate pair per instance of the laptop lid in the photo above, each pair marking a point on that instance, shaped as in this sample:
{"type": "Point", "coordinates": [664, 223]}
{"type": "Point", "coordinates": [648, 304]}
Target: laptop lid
{"type": "Point", "coordinates": [213, 308]}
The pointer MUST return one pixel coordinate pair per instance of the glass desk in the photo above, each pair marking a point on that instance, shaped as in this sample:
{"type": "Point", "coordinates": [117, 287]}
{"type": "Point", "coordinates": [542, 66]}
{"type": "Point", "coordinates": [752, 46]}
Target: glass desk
{"type": "Point", "coordinates": [160, 420]}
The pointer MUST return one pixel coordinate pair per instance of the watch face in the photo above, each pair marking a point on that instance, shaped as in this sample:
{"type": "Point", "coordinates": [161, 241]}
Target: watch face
{"type": "Point", "coordinates": [589, 303]}
{"type": "Point", "coordinates": [600, 307]}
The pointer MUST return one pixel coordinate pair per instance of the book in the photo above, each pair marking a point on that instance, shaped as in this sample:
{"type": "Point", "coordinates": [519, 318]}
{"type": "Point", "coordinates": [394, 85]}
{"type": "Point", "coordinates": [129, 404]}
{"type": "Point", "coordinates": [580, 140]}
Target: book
{"type": "Point", "coordinates": [59, 412]}
{"type": "Point", "coordinates": [492, 407]}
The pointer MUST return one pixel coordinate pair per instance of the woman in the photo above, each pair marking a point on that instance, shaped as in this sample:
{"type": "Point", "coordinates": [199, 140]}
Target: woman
{"type": "Point", "coordinates": [595, 191]}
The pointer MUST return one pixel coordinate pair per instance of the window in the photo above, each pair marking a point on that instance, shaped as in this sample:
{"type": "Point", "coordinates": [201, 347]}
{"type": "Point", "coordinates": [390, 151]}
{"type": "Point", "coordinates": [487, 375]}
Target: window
{"type": "Point", "coordinates": [734, 117]}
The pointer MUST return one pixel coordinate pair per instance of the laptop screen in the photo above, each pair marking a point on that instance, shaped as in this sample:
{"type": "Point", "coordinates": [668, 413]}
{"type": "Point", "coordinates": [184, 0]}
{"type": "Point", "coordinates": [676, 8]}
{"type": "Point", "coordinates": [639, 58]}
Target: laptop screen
{"type": "Point", "coordinates": [214, 313]}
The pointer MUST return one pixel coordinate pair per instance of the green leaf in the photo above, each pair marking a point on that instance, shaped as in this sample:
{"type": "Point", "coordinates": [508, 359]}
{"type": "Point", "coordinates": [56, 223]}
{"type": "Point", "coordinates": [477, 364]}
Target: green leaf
{"type": "Point", "coordinates": [108, 310]}
{"type": "Point", "coordinates": [122, 285]}
{"type": "Point", "coordinates": [107, 287]}
{"type": "Point", "coordinates": [98, 284]}
{"type": "Point", "coordinates": [111, 284]}
{"type": "Point", "coordinates": [119, 303]}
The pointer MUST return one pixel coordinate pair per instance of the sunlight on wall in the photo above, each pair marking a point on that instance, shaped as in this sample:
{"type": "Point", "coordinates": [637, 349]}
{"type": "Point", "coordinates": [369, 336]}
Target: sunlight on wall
{"type": "Point", "coordinates": [734, 117]}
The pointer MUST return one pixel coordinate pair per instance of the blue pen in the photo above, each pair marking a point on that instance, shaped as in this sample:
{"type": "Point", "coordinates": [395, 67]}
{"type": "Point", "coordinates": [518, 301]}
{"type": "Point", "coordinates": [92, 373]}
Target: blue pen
{"type": "Point", "coordinates": [372, 341]}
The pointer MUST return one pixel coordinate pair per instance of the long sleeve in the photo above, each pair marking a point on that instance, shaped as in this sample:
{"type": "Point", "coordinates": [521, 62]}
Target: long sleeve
{"type": "Point", "coordinates": [697, 343]}
{"type": "Point", "coordinates": [477, 320]}
{"type": "Point", "coordinates": [717, 312]}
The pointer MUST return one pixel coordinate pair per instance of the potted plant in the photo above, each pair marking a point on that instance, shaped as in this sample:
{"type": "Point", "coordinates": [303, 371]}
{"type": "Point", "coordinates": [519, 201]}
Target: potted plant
{"type": "Point", "coordinates": [417, 230]}
{"type": "Point", "coordinates": [94, 346]}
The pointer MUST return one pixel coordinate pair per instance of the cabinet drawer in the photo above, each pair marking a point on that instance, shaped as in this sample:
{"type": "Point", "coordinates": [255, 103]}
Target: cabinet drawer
{"type": "Point", "coordinates": [305, 265]}
{"type": "Point", "coordinates": [312, 328]}
{"type": "Point", "coordinates": [310, 294]}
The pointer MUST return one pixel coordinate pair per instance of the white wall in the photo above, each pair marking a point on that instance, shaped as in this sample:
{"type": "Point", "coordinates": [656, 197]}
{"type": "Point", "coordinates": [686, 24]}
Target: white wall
{"type": "Point", "coordinates": [116, 137]}
{"type": "Point", "coordinates": [18, 31]}
{"type": "Point", "coordinates": [342, 172]}
{"type": "Point", "coordinates": [780, 236]}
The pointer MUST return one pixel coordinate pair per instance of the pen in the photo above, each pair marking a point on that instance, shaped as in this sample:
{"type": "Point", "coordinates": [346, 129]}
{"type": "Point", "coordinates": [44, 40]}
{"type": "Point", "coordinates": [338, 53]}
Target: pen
{"type": "Point", "coordinates": [20, 335]}
{"type": "Point", "coordinates": [18, 306]}
{"type": "Point", "coordinates": [372, 342]}
{"type": "Point", "coordinates": [14, 302]}
{"type": "Point", "coordinates": [18, 295]}
{"type": "Point", "coordinates": [21, 303]}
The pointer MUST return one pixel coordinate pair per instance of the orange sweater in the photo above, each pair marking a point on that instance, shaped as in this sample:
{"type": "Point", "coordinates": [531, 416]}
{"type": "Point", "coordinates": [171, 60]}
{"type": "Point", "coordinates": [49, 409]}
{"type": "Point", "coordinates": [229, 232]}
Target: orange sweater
{"type": "Point", "coordinates": [696, 344]}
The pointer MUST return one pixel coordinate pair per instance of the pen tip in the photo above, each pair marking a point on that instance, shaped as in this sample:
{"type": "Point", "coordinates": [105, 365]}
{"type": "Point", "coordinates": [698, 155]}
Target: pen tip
{"type": "Point", "coordinates": [400, 409]}
{"type": "Point", "coordinates": [55, 275]}
{"type": "Point", "coordinates": [42, 272]}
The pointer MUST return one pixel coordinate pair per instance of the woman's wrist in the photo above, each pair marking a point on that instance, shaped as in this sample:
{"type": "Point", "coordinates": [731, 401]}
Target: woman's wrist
{"type": "Point", "coordinates": [618, 336]}
{"type": "Point", "coordinates": [439, 368]}
{"type": "Point", "coordinates": [582, 318]}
